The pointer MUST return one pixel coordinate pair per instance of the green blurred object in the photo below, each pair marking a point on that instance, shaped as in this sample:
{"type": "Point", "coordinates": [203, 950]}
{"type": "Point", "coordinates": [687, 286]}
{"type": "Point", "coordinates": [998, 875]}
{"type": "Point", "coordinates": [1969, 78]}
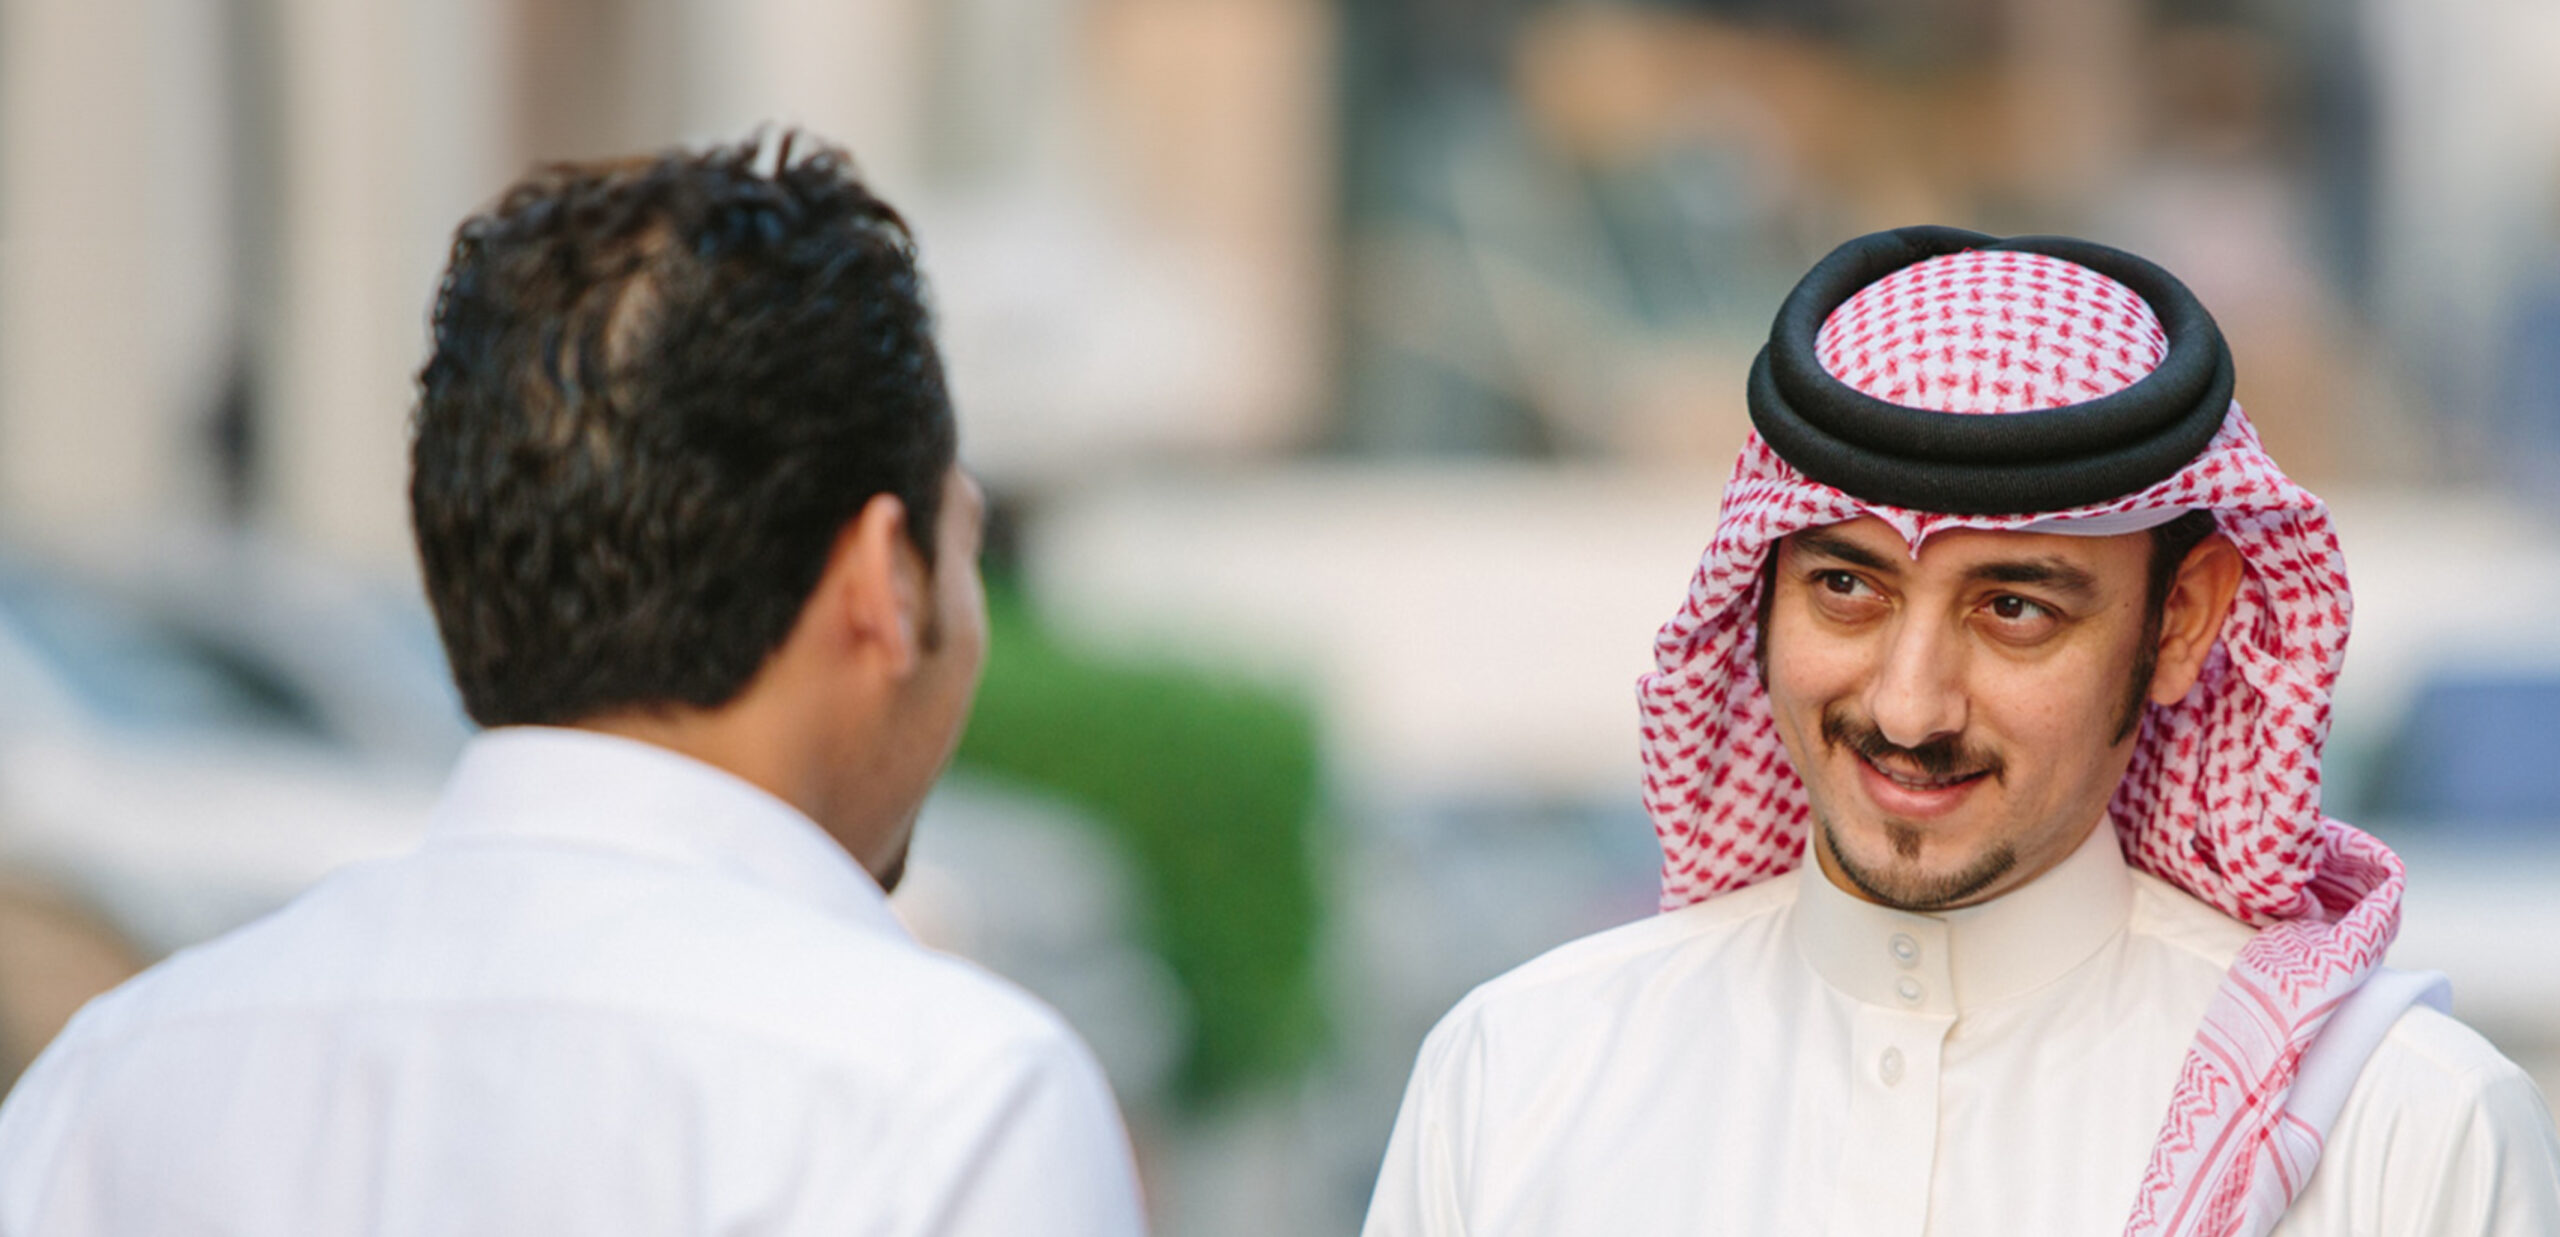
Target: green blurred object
{"type": "Point", "coordinates": [1209, 784]}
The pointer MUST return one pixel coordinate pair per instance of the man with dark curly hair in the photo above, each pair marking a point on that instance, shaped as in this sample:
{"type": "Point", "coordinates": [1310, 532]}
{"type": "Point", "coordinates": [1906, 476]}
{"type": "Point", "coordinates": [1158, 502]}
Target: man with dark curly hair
{"type": "Point", "coordinates": [686, 501]}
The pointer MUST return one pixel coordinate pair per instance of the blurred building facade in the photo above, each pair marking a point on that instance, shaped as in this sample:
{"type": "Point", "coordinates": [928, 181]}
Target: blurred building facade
{"type": "Point", "coordinates": [1220, 230]}
{"type": "Point", "coordinates": [1569, 222]}
{"type": "Point", "coordinates": [221, 220]}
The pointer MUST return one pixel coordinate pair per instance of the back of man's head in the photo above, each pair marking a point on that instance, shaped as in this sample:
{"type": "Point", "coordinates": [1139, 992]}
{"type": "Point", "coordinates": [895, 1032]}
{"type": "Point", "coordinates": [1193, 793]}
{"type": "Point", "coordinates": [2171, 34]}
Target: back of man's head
{"type": "Point", "coordinates": [659, 389]}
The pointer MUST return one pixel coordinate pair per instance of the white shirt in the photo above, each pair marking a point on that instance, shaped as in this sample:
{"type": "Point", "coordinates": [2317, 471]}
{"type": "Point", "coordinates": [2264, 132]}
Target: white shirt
{"type": "Point", "coordinates": [617, 992]}
{"type": "Point", "coordinates": [1788, 1059]}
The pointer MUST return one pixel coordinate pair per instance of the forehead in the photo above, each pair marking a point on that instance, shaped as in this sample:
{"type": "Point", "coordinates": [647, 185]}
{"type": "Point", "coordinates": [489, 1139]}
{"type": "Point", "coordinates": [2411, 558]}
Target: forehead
{"type": "Point", "coordinates": [1964, 550]}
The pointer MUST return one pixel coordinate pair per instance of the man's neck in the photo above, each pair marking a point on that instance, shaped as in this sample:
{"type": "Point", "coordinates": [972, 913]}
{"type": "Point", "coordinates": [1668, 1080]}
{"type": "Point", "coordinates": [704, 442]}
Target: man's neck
{"type": "Point", "coordinates": [2017, 876]}
{"type": "Point", "coordinates": [1962, 957]}
{"type": "Point", "coordinates": [780, 760]}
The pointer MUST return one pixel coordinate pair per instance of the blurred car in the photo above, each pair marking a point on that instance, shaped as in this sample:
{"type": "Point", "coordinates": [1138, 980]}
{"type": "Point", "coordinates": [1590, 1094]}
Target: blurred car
{"type": "Point", "coordinates": [2462, 786]}
{"type": "Point", "coordinates": [2473, 755]}
{"type": "Point", "coordinates": [180, 781]}
{"type": "Point", "coordinates": [357, 655]}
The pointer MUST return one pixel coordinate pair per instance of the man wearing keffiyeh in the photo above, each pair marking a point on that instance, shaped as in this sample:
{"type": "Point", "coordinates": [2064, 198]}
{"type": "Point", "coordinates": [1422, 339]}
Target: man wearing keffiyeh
{"type": "Point", "coordinates": [1999, 897]}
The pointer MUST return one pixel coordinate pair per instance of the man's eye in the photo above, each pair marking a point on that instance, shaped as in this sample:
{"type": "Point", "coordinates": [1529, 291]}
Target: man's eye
{"type": "Point", "coordinates": [2013, 608]}
{"type": "Point", "coordinates": [1840, 582]}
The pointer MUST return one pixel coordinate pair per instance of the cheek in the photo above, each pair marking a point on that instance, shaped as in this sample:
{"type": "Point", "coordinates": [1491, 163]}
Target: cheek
{"type": "Point", "coordinates": [1807, 670]}
{"type": "Point", "coordinates": [2064, 705]}
{"type": "Point", "coordinates": [967, 624]}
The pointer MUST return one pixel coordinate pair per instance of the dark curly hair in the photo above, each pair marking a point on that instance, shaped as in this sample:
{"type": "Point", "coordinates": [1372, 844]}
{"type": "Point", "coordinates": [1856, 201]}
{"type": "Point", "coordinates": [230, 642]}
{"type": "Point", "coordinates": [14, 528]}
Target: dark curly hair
{"type": "Point", "coordinates": [660, 387]}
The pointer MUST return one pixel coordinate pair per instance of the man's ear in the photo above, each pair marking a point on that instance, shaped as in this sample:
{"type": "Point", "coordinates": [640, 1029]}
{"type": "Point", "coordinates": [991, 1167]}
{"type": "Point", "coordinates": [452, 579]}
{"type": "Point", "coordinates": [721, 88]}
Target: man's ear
{"type": "Point", "coordinates": [872, 590]}
{"type": "Point", "coordinates": [2192, 615]}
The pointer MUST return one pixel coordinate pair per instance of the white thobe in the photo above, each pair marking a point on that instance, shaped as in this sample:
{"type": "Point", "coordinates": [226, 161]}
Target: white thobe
{"type": "Point", "coordinates": [1788, 1059]}
{"type": "Point", "coordinates": [616, 991]}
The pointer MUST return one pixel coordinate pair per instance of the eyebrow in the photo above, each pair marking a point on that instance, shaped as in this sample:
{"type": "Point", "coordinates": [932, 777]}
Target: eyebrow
{"type": "Point", "coordinates": [1831, 545]}
{"type": "Point", "coordinates": [2052, 573]}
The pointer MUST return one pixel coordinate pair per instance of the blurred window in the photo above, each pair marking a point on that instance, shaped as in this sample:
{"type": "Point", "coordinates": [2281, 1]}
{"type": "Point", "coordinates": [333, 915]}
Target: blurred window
{"type": "Point", "coordinates": [2475, 751]}
{"type": "Point", "coordinates": [139, 673]}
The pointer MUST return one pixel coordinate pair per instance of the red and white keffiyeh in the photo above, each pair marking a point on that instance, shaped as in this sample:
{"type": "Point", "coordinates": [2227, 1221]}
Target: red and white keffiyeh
{"type": "Point", "coordinates": [2223, 795]}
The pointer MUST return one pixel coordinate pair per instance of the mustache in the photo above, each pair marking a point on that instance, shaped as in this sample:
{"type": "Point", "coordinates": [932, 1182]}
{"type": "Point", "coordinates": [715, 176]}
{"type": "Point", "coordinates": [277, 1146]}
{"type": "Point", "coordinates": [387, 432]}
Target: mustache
{"type": "Point", "coordinates": [1945, 757]}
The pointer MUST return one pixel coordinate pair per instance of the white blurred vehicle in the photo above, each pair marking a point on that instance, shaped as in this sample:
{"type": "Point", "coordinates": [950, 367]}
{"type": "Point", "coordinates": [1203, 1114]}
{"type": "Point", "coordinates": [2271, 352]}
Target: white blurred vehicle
{"type": "Point", "coordinates": [181, 781]}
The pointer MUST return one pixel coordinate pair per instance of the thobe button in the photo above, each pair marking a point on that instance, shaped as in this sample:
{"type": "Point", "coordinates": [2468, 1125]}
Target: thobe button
{"type": "Point", "coordinates": [1906, 951]}
{"type": "Point", "coordinates": [1909, 990]}
{"type": "Point", "coordinates": [1889, 1066]}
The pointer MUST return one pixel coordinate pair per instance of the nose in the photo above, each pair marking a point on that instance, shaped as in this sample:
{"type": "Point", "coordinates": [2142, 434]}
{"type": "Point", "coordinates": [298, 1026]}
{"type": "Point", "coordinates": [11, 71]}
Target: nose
{"type": "Point", "coordinates": [1918, 691]}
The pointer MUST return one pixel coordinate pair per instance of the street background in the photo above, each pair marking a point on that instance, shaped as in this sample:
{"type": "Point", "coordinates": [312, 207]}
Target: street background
{"type": "Point", "coordinates": [1355, 380]}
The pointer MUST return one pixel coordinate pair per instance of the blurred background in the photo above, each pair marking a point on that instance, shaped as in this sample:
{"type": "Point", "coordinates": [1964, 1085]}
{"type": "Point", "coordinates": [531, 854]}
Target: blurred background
{"type": "Point", "coordinates": [1356, 379]}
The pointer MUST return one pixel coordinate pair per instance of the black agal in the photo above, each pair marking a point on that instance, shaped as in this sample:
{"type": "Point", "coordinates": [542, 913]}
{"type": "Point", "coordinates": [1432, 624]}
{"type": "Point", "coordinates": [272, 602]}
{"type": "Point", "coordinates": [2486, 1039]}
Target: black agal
{"type": "Point", "coordinates": [1970, 464]}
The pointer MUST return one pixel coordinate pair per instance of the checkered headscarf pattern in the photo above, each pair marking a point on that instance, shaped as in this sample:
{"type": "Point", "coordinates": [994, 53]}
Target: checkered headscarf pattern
{"type": "Point", "coordinates": [2223, 796]}
{"type": "Point", "coordinates": [1991, 331]}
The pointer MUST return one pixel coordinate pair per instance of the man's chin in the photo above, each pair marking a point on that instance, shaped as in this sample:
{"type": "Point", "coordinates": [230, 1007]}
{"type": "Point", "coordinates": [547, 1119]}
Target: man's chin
{"type": "Point", "coordinates": [1893, 865]}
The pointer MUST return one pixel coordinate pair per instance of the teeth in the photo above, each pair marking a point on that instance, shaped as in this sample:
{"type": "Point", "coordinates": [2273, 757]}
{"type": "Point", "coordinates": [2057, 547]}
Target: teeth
{"type": "Point", "coordinates": [1923, 783]}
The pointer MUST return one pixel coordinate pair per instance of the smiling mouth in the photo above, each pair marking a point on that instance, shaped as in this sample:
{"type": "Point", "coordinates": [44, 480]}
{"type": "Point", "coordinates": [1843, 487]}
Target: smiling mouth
{"type": "Point", "coordinates": [1924, 781]}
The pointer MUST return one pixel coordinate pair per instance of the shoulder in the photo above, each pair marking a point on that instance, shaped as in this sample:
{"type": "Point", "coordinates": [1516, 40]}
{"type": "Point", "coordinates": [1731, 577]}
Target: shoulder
{"type": "Point", "coordinates": [1691, 935]}
{"type": "Point", "coordinates": [2429, 1071]}
{"type": "Point", "coordinates": [2427, 1062]}
{"type": "Point", "coordinates": [2440, 1133]}
{"type": "Point", "coordinates": [682, 1039]}
{"type": "Point", "coordinates": [2433, 1072]}
{"type": "Point", "coordinates": [1586, 979]}
{"type": "Point", "coordinates": [628, 949]}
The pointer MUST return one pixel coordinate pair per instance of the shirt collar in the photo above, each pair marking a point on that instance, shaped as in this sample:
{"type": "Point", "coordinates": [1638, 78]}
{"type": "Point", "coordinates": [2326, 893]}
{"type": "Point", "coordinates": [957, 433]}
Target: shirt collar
{"type": "Point", "coordinates": [1947, 962]}
{"type": "Point", "coordinates": [584, 788]}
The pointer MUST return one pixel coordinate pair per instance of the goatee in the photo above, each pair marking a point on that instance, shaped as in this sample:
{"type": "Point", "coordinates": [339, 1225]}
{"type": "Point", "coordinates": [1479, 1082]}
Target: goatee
{"type": "Point", "coordinates": [1896, 885]}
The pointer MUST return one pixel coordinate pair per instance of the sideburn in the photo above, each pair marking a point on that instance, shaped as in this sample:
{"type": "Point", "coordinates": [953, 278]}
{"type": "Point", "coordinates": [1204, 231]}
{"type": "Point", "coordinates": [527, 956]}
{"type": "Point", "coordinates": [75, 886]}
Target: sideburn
{"type": "Point", "coordinates": [1760, 615]}
{"type": "Point", "coordinates": [2146, 664]}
